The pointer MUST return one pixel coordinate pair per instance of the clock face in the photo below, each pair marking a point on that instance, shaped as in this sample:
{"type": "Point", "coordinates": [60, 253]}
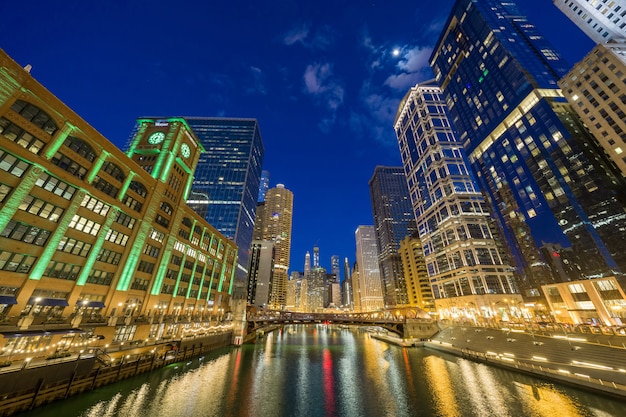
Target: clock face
{"type": "Point", "coordinates": [185, 151]}
{"type": "Point", "coordinates": [156, 138]}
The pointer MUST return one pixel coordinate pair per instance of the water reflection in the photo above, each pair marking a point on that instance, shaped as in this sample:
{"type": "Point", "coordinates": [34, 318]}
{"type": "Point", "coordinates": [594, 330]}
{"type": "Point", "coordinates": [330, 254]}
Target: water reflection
{"type": "Point", "coordinates": [327, 372]}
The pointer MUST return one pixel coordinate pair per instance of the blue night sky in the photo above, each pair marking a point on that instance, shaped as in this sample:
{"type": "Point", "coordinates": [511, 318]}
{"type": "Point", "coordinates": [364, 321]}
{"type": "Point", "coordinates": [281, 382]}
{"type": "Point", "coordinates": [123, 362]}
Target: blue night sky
{"type": "Point", "coordinates": [320, 76]}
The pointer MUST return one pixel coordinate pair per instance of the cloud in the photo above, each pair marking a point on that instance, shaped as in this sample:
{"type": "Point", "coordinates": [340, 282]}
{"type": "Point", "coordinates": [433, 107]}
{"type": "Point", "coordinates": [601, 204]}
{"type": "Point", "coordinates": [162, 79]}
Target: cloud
{"type": "Point", "coordinates": [319, 81]}
{"type": "Point", "coordinates": [414, 67]}
{"type": "Point", "coordinates": [258, 85]}
{"type": "Point", "coordinates": [320, 39]}
{"type": "Point", "coordinates": [296, 35]}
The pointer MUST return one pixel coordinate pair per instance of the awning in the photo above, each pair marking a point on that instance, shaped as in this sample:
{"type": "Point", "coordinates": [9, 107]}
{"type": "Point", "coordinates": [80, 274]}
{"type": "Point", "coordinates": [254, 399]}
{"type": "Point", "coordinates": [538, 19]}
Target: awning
{"type": "Point", "coordinates": [7, 299]}
{"type": "Point", "coordinates": [97, 304]}
{"type": "Point", "coordinates": [48, 301]}
{"type": "Point", "coordinates": [27, 333]}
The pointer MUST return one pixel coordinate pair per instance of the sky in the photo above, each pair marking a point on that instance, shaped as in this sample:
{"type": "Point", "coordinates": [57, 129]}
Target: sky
{"type": "Point", "coordinates": [323, 78]}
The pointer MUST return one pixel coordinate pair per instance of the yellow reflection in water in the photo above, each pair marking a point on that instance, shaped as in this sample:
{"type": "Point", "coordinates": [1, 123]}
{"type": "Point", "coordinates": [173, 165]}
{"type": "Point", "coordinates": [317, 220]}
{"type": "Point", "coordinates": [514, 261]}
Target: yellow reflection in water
{"type": "Point", "coordinates": [547, 402]}
{"type": "Point", "coordinates": [438, 378]}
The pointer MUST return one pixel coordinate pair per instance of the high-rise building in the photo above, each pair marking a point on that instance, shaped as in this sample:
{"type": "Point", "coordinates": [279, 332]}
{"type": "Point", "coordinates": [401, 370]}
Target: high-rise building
{"type": "Point", "coordinates": [467, 269]}
{"type": "Point", "coordinates": [596, 89]}
{"type": "Point", "coordinates": [601, 20]}
{"type": "Point", "coordinates": [347, 299]}
{"type": "Point", "coordinates": [316, 256]}
{"type": "Point", "coordinates": [542, 172]}
{"type": "Point", "coordinates": [95, 239]}
{"type": "Point", "coordinates": [316, 290]}
{"type": "Point", "coordinates": [370, 294]}
{"type": "Point", "coordinates": [261, 275]}
{"type": "Point", "coordinates": [275, 226]}
{"type": "Point", "coordinates": [334, 267]}
{"type": "Point", "coordinates": [307, 264]}
{"type": "Point", "coordinates": [228, 179]}
{"type": "Point", "coordinates": [264, 186]}
{"type": "Point", "coordinates": [393, 219]}
{"type": "Point", "coordinates": [417, 282]}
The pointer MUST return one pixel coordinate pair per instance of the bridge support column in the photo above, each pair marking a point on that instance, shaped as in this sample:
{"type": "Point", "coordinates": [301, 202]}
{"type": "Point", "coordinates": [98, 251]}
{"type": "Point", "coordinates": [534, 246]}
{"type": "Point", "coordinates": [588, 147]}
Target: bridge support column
{"type": "Point", "coordinates": [239, 321]}
{"type": "Point", "coordinates": [420, 329]}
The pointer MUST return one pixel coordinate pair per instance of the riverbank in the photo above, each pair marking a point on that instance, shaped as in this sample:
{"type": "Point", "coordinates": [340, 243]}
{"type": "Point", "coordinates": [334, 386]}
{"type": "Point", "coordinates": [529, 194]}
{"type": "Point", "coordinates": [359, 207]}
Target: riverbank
{"type": "Point", "coordinates": [568, 359]}
{"type": "Point", "coordinates": [28, 388]}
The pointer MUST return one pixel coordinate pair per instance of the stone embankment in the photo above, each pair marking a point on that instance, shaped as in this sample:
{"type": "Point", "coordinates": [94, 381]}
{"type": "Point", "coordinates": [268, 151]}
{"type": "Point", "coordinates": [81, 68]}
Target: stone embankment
{"type": "Point", "coordinates": [589, 361]}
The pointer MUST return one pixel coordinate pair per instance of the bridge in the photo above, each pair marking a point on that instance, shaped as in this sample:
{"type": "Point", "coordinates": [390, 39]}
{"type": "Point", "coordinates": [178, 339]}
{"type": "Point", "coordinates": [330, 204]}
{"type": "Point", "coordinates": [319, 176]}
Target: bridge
{"type": "Point", "coordinates": [408, 322]}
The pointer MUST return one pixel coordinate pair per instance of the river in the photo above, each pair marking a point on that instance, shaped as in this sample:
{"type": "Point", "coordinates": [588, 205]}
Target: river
{"type": "Point", "coordinates": [328, 371]}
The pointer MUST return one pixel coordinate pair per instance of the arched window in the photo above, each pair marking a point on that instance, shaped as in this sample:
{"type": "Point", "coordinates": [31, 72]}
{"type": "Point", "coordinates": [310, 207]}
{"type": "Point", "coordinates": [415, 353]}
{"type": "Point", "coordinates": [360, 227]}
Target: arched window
{"type": "Point", "coordinates": [138, 188]}
{"type": "Point", "coordinates": [114, 171]}
{"type": "Point", "coordinates": [80, 147]}
{"type": "Point", "coordinates": [187, 221]}
{"type": "Point", "coordinates": [166, 208]}
{"type": "Point", "coordinates": [35, 115]}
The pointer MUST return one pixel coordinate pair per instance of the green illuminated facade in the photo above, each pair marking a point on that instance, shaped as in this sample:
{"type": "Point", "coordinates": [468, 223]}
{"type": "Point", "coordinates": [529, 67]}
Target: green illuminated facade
{"type": "Point", "coordinates": [94, 240]}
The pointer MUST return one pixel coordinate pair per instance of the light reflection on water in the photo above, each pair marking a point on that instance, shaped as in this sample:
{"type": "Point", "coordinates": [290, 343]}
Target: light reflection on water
{"type": "Point", "coordinates": [324, 371]}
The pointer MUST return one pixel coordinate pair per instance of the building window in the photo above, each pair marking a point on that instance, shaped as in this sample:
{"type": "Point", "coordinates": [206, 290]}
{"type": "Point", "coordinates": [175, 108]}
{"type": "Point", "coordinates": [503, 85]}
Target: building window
{"type": "Point", "coordinates": [35, 115]}
{"type": "Point", "coordinates": [109, 257]}
{"type": "Point", "coordinates": [124, 333]}
{"type": "Point", "coordinates": [95, 205]}
{"type": "Point", "coordinates": [16, 262]}
{"type": "Point", "coordinates": [69, 165]}
{"type": "Point", "coordinates": [25, 233]}
{"type": "Point", "coordinates": [18, 135]}
{"type": "Point", "coordinates": [132, 203]}
{"type": "Point", "coordinates": [85, 225]}
{"type": "Point", "coordinates": [41, 208]}
{"type": "Point", "coordinates": [116, 237]}
{"type": "Point", "coordinates": [114, 171]}
{"type": "Point", "coordinates": [105, 186]}
{"type": "Point", "coordinates": [125, 220]}
{"type": "Point", "coordinates": [151, 251]}
{"type": "Point", "coordinates": [81, 147]}
{"type": "Point", "coordinates": [56, 186]}
{"type": "Point", "coordinates": [5, 190]}
{"type": "Point", "coordinates": [62, 270]}
{"type": "Point", "coordinates": [138, 188]}
{"type": "Point", "coordinates": [73, 246]}
{"type": "Point", "coordinates": [12, 165]}
{"type": "Point", "coordinates": [100, 277]}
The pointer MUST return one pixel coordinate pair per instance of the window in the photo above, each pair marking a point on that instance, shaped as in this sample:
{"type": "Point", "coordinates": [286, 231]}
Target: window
{"type": "Point", "coordinates": [16, 262]}
{"type": "Point", "coordinates": [125, 220]}
{"type": "Point", "coordinates": [41, 208]}
{"type": "Point", "coordinates": [12, 165]}
{"type": "Point", "coordinates": [62, 270]}
{"type": "Point", "coordinates": [69, 165]}
{"type": "Point", "coordinates": [85, 225]}
{"type": "Point", "coordinates": [73, 246]}
{"type": "Point", "coordinates": [80, 147]}
{"type": "Point", "coordinates": [95, 205]}
{"type": "Point", "coordinates": [100, 277]}
{"type": "Point", "coordinates": [35, 115]}
{"type": "Point", "coordinates": [105, 186]}
{"type": "Point", "coordinates": [18, 135]}
{"type": "Point", "coordinates": [138, 188]}
{"type": "Point", "coordinates": [25, 233]}
{"type": "Point", "coordinates": [56, 186]}
{"type": "Point", "coordinates": [114, 171]}
{"type": "Point", "coordinates": [116, 237]}
{"type": "Point", "coordinates": [109, 256]}
{"type": "Point", "coordinates": [5, 190]}
{"type": "Point", "coordinates": [132, 203]}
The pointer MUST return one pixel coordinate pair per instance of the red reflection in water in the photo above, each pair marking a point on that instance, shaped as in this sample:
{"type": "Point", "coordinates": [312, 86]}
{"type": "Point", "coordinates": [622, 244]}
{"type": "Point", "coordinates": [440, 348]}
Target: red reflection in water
{"type": "Point", "coordinates": [329, 383]}
{"type": "Point", "coordinates": [407, 366]}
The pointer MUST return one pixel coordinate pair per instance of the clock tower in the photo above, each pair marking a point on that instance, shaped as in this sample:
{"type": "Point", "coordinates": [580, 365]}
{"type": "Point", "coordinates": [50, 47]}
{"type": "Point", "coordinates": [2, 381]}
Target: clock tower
{"type": "Point", "coordinates": [169, 150]}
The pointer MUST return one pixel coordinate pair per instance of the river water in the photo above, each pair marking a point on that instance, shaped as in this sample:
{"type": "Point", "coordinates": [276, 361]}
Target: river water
{"type": "Point", "coordinates": [328, 371]}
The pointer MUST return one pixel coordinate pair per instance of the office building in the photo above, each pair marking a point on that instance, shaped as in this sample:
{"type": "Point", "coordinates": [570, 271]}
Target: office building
{"type": "Point", "coordinates": [274, 225]}
{"type": "Point", "coordinates": [543, 174]}
{"type": "Point", "coordinates": [596, 89]}
{"type": "Point", "coordinates": [94, 241]}
{"type": "Point", "coordinates": [227, 179]}
{"type": "Point", "coordinates": [369, 286]}
{"type": "Point", "coordinates": [418, 287]}
{"type": "Point", "coordinates": [264, 186]}
{"type": "Point", "coordinates": [393, 220]}
{"type": "Point", "coordinates": [601, 20]}
{"type": "Point", "coordinates": [261, 273]}
{"type": "Point", "coordinates": [466, 267]}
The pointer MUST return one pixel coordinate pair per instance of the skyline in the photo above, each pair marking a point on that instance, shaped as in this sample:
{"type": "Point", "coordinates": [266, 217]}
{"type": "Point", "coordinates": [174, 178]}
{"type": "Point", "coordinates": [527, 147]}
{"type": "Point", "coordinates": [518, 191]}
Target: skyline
{"type": "Point", "coordinates": [323, 87]}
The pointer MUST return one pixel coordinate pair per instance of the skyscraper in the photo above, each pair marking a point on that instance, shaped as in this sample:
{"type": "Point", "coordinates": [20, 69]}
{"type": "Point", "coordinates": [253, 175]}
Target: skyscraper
{"type": "Point", "coordinates": [334, 267]}
{"type": "Point", "coordinates": [370, 286]}
{"type": "Point", "coordinates": [307, 264]}
{"type": "Point", "coordinates": [466, 267]}
{"type": "Point", "coordinates": [601, 20]}
{"type": "Point", "coordinates": [228, 177]}
{"type": "Point", "coordinates": [275, 226]}
{"type": "Point", "coordinates": [393, 220]}
{"type": "Point", "coordinates": [596, 88]}
{"type": "Point", "coordinates": [543, 173]}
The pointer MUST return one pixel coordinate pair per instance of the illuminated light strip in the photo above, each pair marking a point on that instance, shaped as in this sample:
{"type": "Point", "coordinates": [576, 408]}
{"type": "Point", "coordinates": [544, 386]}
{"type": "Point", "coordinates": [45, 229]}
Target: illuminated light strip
{"type": "Point", "coordinates": [591, 365]}
{"type": "Point", "coordinates": [516, 114]}
{"type": "Point", "coordinates": [507, 359]}
{"type": "Point", "coordinates": [509, 355]}
{"type": "Point", "coordinates": [540, 358]}
{"type": "Point", "coordinates": [563, 371]}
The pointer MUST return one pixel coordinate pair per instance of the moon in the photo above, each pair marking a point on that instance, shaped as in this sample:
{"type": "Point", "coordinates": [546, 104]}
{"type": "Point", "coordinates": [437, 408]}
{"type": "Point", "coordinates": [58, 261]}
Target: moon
{"type": "Point", "coordinates": [396, 52]}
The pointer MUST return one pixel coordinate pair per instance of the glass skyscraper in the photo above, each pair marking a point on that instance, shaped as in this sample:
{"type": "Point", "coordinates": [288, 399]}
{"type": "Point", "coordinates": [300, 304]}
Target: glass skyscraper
{"type": "Point", "coordinates": [369, 286]}
{"type": "Point", "coordinates": [545, 176]}
{"type": "Point", "coordinates": [601, 20]}
{"type": "Point", "coordinates": [393, 220]}
{"type": "Point", "coordinates": [227, 179]}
